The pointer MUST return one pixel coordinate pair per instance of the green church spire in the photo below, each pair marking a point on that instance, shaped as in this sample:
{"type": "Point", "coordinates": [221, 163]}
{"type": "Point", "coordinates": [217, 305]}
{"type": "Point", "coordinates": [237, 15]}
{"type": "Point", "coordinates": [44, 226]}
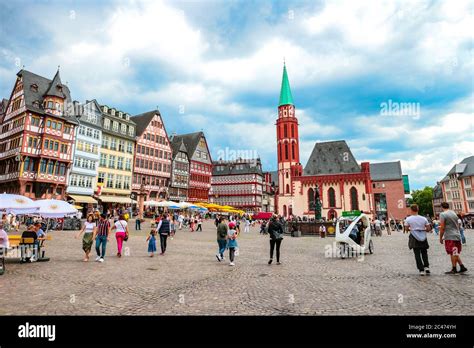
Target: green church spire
{"type": "Point", "coordinates": [285, 94]}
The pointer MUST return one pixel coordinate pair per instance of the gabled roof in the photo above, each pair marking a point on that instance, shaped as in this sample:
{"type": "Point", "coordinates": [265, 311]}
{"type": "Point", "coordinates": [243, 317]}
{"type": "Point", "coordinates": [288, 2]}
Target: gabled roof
{"type": "Point", "coordinates": [463, 169]}
{"type": "Point", "coordinates": [191, 141]}
{"type": "Point", "coordinates": [178, 146]}
{"type": "Point", "coordinates": [386, 171]}
{"type": "Point", "coordinates": [251, 166]}
{"type": "Point", "coordinates": [55, 88]}
{"type": "Point", "coordinates": [285, 93]}
{"type": "Point", "coordinates": [3, 105]}
{"type": "Point", "coordinates": [143, 120]}
{"type": "Point", "coordinates": [332, 157]}
{"type": "Point", "coordinates": [42, 86]}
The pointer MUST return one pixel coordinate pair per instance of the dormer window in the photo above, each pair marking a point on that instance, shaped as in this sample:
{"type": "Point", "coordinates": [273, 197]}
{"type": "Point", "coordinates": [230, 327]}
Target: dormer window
{"type": "Point", "coordinates": [59, 88]}
{"type": "Point", "coordinates": [34, 87]}
{"type": "Point", "coordinates": [36, 104]}
{"type": "Point", "coordinates": [50, 104]}
{"type": "Point", "coordinates": [120, 114]}
{"type": "Point", "coordinates": [105, 109]}
{"type": "Point", "coordinates": [112, 111]}
{"type": "Point", "coordinates": [127, 117]}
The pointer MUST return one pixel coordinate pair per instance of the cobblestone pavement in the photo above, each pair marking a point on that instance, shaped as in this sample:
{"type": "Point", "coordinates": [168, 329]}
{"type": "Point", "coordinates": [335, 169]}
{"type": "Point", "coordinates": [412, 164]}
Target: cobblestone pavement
{"type": "Point", "coordinates": [190, 281]}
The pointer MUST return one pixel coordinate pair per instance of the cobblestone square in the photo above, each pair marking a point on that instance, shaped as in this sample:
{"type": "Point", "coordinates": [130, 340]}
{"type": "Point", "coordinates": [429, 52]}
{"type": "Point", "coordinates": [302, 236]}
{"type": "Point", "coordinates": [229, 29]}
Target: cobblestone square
{"type": "Point", "coordinates": [190, 281]}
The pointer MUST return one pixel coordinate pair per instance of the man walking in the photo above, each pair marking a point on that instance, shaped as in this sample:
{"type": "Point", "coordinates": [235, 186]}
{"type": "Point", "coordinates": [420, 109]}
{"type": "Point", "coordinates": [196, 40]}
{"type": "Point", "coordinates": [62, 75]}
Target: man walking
{"type": "Point", "coordinates": [164, 230]}
{"type": "Point", "coordinates": [102, 237]}
{"type": "Point", "coordinates": [450, 231]}
{"type": "Point", "coordinates": [222, 230]}
{"type": "Point", "coordinates": [417, 226]}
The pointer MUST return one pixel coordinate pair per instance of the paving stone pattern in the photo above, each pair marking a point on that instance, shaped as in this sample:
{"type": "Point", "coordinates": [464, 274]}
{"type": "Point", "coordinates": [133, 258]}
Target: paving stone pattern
{"type": "Point", "coordinates": [189, 280]}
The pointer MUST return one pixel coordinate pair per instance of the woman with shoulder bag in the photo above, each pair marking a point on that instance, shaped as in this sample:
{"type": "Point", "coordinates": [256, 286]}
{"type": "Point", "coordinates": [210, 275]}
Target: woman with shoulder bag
{"type": "Point", "coordinates": [121, 233]}
{"type": "Point", "coordinates": [275, 230]}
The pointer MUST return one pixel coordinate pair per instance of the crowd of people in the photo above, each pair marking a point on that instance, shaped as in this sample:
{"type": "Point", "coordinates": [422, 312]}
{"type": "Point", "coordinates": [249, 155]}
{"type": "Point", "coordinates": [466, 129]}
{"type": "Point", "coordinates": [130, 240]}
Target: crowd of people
{"type": "Point", "coordinates": [98, 228]}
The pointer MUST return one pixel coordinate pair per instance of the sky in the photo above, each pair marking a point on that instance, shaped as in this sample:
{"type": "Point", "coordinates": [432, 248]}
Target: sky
{"type": "Point", "coordinates": [392, 78]}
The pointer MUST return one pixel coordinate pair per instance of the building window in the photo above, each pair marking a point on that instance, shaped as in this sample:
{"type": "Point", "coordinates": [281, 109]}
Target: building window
{"type": "Point", "coordinates": [103, 160]}
{"type": "Point", "coordinates": [310, 199]}
{"type": "Point", "coordinates": [354, 199]}
{"type": "Point", "coordinates": [286, 150]}
{"type": "Point", "coordinates": [110, 180]}
{"type": "Point", "coordinates": [331, 197]}
{"type": "Point", "coordinates": [287, 188]}
{"type": "Point", "coordinates": [101, 178]}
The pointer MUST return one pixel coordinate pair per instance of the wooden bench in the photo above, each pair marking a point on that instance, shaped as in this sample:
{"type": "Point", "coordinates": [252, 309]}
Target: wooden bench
{"type": "Point", "coordinates": [15, 241]}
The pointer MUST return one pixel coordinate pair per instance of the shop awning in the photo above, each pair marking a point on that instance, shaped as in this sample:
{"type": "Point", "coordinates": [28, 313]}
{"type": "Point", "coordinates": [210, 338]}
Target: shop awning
{"type": "Point", "coordinates": [83, 199]}
{"type": "Point", "coordinates": [115, 199]}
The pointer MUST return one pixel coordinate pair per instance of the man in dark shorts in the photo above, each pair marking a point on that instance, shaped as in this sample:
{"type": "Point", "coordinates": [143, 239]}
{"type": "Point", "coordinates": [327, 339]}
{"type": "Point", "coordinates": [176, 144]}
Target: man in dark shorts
{"type": "Point", "coordinates": [450, 230]}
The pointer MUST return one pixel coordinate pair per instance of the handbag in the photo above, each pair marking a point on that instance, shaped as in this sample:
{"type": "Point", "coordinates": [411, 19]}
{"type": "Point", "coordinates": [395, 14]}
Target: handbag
{"type": "Point", "coordinates": [126, 233]}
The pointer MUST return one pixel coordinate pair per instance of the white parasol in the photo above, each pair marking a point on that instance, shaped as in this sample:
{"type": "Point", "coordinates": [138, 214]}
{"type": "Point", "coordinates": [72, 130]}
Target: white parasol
{"type": "Point", "coordinates": [53, 208]}
{"type": "Point", "coordinates": [16, 204]}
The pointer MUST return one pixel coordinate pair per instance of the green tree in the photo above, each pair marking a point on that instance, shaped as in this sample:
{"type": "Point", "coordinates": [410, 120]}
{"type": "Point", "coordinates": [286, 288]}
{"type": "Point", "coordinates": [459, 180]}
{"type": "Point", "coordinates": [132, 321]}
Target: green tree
{"type": "Point", "coordinates": [424, 199]}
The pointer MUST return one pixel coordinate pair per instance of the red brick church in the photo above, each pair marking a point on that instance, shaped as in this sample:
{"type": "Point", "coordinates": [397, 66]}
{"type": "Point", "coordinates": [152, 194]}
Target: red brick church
{"type": "Point", "coordinates": [343, 184]}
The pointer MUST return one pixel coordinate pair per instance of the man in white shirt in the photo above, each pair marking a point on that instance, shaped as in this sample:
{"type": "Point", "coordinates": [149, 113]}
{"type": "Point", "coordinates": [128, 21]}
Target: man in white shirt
{"type": "Point", "coordinates": [418, 226]}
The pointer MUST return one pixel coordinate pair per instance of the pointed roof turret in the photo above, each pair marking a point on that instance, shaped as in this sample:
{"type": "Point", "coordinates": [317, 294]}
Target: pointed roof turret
{"type": "Point", "coordinates": [285, 94]}
{"type": "Point", "coordinates": [56, 87]}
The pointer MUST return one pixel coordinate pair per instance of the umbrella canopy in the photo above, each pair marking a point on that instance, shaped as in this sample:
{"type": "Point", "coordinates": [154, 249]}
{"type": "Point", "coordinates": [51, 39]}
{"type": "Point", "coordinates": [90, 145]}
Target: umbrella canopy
{"type": "Point", "coordinates": [150, 203]}
{"type": "Point", "coordinates": [173, 207]}
{"type": "Point", "coordinates": [184, 205]}
{"type": "Point", "coordinates": [17, 204]}
{"type": "Point", "coordinates": [53, 208]}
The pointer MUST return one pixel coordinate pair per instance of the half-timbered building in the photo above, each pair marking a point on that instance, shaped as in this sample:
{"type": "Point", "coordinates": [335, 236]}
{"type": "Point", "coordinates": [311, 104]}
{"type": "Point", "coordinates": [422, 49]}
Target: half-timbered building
{"type": "Point", "coordinates": [36, 138]}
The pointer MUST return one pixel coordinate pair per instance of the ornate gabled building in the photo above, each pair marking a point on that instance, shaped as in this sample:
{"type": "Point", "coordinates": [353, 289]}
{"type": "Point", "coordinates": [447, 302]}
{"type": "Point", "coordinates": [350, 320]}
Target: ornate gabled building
{"type": "Point", "coordinates": [341, 182]}
{"type": "Point", "coordinates": [152, 163]}
{"type": "Point", "coordinates": [238, 183]}
{"type": "Point", "coordinates": [84, 171]}
{"type": "Point", "coordinates": [457, 186]}
{"type": "Point", "coordinates": [114, 182]}
{"type": "Point", "coordinates": [36, 137]}
{"type": "Point", "coordinates": [179, 172]}
{"type": "Point", "coordinates": [200, 165]}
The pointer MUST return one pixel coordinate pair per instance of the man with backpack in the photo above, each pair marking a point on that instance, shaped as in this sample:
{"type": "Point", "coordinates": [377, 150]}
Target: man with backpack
{"type": "Point", "coordinates": [222, 230]}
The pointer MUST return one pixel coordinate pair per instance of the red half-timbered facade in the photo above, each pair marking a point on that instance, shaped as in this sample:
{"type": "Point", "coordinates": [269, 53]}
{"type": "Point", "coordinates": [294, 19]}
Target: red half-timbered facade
{"type": "Point", "coordinates": [200, 165]}
{"type": "Point", "coordinates": [37, 134]}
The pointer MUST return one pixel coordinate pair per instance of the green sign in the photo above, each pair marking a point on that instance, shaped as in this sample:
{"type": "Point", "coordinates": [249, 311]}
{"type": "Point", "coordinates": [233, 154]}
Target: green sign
{"type": "Point", "coordinates": [351, 213]}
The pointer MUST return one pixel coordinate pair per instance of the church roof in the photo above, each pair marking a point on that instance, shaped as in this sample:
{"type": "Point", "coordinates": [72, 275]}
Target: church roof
{"type": "Point", "coordinates": [285, 93]}
{"type": "Point", "coordinates": [332, 157]}
{"type": "Point", "coordinates": [386, 171]}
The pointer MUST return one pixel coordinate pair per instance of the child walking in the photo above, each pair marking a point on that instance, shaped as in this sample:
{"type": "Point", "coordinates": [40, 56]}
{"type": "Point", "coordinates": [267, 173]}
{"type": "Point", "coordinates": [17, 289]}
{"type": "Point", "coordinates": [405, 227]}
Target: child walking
{"type": "Point", "coordinates": [152, 242]}
{"type": "Point", "coordinates": [232, 242]}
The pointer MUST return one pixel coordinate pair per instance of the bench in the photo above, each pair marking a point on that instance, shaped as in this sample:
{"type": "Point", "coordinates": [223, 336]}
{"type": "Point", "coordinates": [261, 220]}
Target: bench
{"type": "Point", "coordinates": [15, 241]}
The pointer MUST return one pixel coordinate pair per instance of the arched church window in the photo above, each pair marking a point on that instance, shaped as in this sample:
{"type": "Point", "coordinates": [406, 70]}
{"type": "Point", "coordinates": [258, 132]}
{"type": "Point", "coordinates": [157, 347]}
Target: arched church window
{"type": "Point", "coordinates": [310, 199]}
{"type": "Point", "coordinates": [285, 131]}
{"type": "Point", "coordinates": [293, 153]}
{"type": "Point", "coordinates": [286, 175]}
{"type": "Point", "coordinates": [287, 188]}
{"type": "Point", "coordinates": [286, 150]}
{"type": "Point", "coordinates": [354, 199]}
{"type": "Point", "coordinates": [332, 197]}
{"type": "Point", "coordinates": [292, 131]}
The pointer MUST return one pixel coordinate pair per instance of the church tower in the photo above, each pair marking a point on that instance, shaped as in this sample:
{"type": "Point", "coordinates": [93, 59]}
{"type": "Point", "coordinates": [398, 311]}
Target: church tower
{"type": "Point", "coordinates": [288, 150]}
